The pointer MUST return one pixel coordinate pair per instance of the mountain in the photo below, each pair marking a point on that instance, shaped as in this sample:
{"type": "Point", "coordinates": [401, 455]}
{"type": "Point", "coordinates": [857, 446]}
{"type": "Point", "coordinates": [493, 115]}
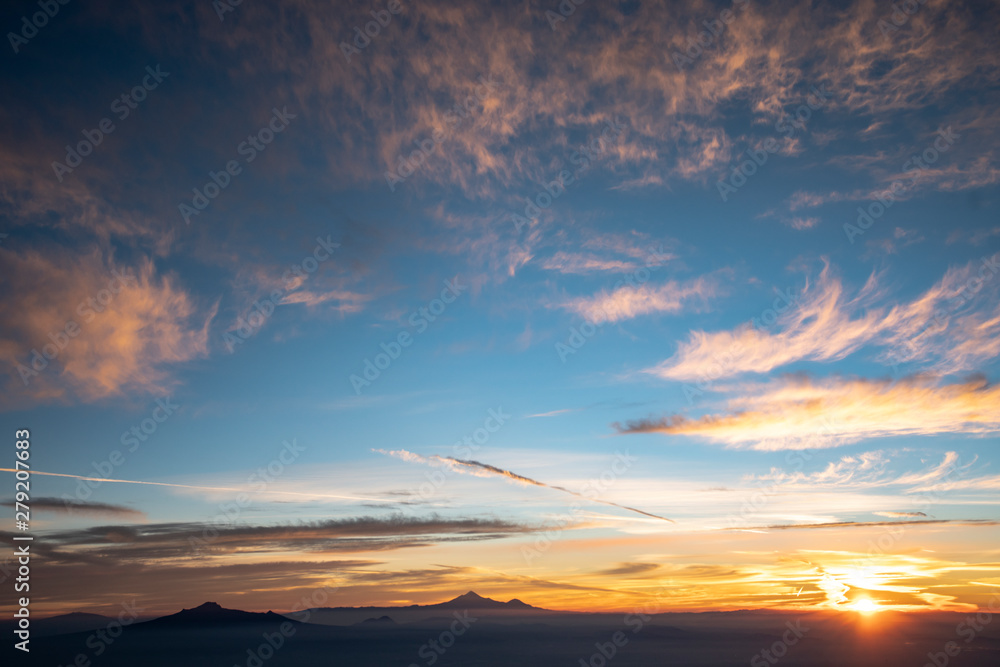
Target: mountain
{"type": "Point", "coordinates": [375, 622]}
{"type": "Point", "coordinates": [517, 604]}
{"type": "Point", "coordinates": [473, 600]}
{"type": "Point", "coordinates": [211, 613]}
{"type": "Point", "coordinates": [415, 613]}
{"type": "Point", "coordinates": [62, 624]}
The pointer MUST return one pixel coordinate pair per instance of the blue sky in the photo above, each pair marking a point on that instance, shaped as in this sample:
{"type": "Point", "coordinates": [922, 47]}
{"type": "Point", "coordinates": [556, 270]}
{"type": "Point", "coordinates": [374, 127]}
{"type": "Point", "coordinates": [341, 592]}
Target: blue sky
{"type": "Point", "coordinates": [881, 368]}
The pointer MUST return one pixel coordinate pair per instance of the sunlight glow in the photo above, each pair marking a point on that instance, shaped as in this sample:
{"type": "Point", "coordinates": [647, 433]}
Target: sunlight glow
{"type": "Point", "coordinates": [865, 606]}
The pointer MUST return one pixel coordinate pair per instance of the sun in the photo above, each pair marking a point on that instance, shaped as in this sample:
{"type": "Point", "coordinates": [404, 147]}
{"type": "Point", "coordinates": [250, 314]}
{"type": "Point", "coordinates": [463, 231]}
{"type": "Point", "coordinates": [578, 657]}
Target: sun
{"type": "Point", "coordinates": [865, 606]}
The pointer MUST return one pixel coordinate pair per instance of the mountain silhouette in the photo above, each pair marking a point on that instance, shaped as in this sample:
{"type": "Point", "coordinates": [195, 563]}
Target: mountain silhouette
{"type": "Point", "coordinates": [65, 623]}
{"type": "Point", "coordinates": [473, 600]}
{"type": "Point", "coordinates": [381, 620]}
{"type": "Point", "coordinates": [211, 613]}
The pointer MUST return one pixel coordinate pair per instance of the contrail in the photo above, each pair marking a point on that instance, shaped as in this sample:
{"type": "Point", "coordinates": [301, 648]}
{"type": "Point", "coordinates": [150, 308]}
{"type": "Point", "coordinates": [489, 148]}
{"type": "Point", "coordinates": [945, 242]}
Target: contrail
{"type": "Point", "coordinates": [189, 486]}
{"type": "Point", "coordinates": [477, 466]}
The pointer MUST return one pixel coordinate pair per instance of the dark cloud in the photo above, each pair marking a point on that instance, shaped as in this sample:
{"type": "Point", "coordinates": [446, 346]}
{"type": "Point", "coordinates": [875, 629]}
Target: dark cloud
{"type": "Point", "coordinates": [631, 569]}
{"type": "Point", "coordinates": [81, 507]}
{"type": "Point", "coordinates": [113, 544]}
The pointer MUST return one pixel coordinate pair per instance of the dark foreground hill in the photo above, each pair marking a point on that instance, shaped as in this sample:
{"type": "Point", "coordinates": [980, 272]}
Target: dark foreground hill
{"type": "Point", "coordinates": [211, 614]}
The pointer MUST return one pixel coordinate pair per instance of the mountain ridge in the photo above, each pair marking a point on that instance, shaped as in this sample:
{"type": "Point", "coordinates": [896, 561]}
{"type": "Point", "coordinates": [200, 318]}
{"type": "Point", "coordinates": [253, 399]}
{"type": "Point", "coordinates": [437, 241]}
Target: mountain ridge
{"type": "Point", "coordinates": [212, 613]}
{"type": "Point", "coordinates": [469, 600]}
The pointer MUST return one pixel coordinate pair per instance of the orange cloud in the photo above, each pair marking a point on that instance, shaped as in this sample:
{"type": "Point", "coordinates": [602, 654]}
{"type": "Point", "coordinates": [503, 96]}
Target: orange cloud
{"type": "Point", "coordinates": [123, 342]}
{"type": "Point", "coordinates": [951, 326]}
{"type": "Point", "coordinates": [676, 113]}
{"type": "Point", "coordinates": [799, 412]}
{"type": "Point", "coordinates": [627, 302]}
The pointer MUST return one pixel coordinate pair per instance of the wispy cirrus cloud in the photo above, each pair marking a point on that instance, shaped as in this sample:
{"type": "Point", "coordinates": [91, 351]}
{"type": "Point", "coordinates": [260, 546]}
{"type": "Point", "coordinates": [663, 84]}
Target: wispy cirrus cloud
{"type": "Point", "coordinates": [677, 115]}
{"type": "Point", "coordinates": [871, 470]}
{"type": "Point", "coordinates": [583, 263]}
{"type": "Point", "coordinates": [799, 412]}
{"type": "Point", "coordinates": [480, 469]}
{"type": "Point", "coordinates": [627, 302]}
{"type": "Point", "coordinates": [870, 524]}
{"type": "Point", "coordinates": [819, 327]}
{"type": "Point", "coordinates": [951, 327]}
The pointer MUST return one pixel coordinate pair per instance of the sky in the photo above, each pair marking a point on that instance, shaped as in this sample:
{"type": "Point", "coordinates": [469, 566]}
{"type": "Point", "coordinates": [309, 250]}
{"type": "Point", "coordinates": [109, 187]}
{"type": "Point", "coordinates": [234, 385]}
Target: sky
{"type": "Point", "coordinates": [581, 304]}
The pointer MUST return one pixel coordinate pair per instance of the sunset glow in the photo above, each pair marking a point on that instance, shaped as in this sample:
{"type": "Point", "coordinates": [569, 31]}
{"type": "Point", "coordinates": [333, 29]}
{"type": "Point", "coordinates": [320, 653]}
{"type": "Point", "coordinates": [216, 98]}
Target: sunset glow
{"type": "Point", "coordinates": [684, 307]}
{"type": "Point", "coordinates": [865, 606]}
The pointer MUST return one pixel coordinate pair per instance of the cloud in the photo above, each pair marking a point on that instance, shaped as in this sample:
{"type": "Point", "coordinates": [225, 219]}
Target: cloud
{"type": "Point", "coordinates": [869, 524]}
{"type": "Point", "coordinates": [116, 544]}
{"type": "Point", "coordinates": [554, 413]}
{"type": "Point", "coordinates": [129, 331]}
{"type": "Point", "coordinates": [864, 471]}
{"type": "Point", "coordinates": [486, 470]}
{"type": "Point", "coordinates": [799, 412]}
{"type": "Point", "coordinates": [346, 301]}
{"type": "Point", "coordinates": [316, 495]}
{"type": "Point", "coordinates": [901, 238]}
{"type": "Point", "coordinates": [802, 223]}
{"type": "Point", "coordinates": [627, 302]}
{"type": "Point", "coordinates": [900, 515]}
{"type": "Point", "coordinates": [973, 237]}
{"type": "Point", "coordinates": [980, 172]}
{"type": "Point", "coordinates": [853, 471]}
{"type": "Point", "coordinates": [581, 263]}
{"type": "Point", "coordinates": [631, 569]}
{"type": "Point", "coordinates": [818, 326]}
{"type": "Point", "coordinates": [81, 507]}
{"type": "Point", "coordinates": [677, 127]}
{"type": "Point", "coordinates": [951, 327]}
